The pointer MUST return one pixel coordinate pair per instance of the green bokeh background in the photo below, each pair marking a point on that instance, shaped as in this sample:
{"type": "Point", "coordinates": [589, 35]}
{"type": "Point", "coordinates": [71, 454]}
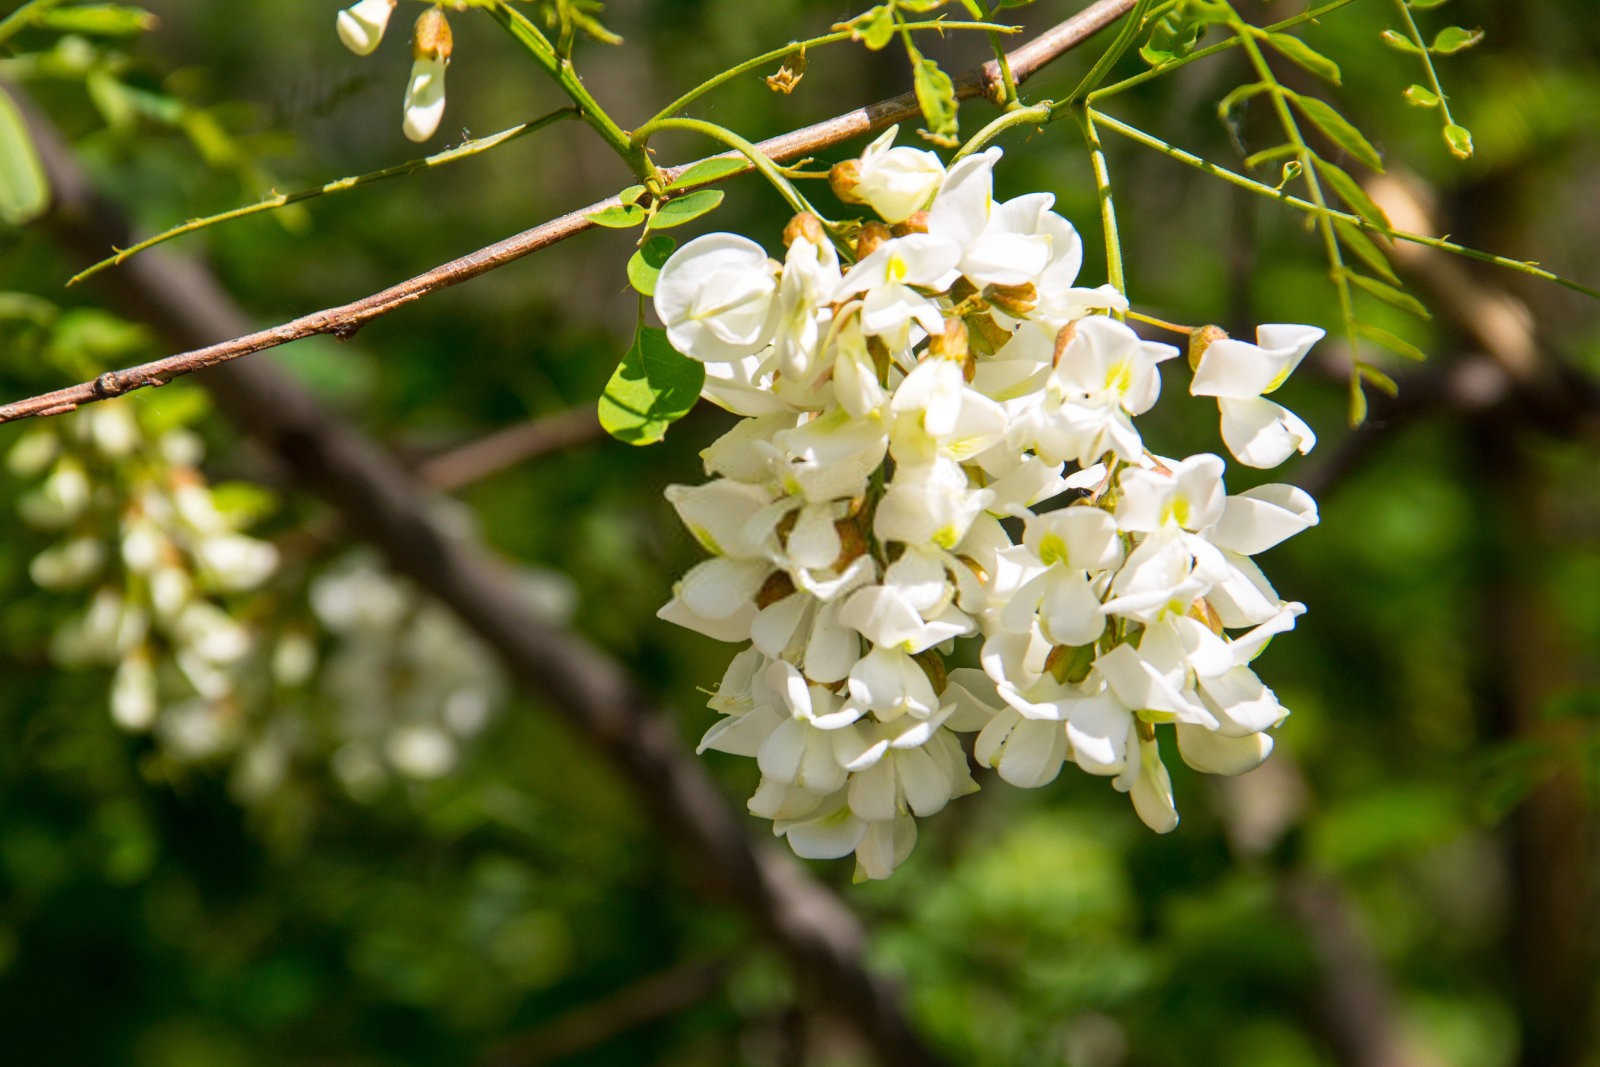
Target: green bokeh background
{"type": "Point", "coordinates": [1427, 815]}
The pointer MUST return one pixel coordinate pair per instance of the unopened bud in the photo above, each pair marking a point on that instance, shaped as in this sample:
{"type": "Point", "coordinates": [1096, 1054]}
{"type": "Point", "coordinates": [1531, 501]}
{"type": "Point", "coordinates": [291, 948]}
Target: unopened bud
{"type": "Point", "coordinates": [871, 236]}
{"type": "Point", "coordinates": [1015, 300]}
{"type": "Point", "coordinates": [430, 37]}
{"type": "Point", "coordinates": [1202, 339]}
{"type": "Point", "coordinates": [916, 222]}
{"type": "Point", "coordinates": [804, 225]}
{"type": "Point", "coordinates": [951, 344]}
{"type": "Point", "coordinates": [777, 587]}
{"type": "Point", "coordinates": [844, 177]}
{"type": "Point", "coordinates": [1070, 664]}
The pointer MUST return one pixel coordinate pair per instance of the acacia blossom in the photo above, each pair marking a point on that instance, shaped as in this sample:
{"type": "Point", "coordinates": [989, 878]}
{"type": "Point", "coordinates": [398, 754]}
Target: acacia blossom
{"type": "Point", "coordinates": [906, 396]}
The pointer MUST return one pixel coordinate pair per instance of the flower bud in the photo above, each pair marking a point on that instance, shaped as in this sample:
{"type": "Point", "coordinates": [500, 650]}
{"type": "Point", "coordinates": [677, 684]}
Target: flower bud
{"type": "Point", "coordinates": [430, 49]}
{"type": "Point", "coordinates": [844, 177]}
{"type": "Point", "coordinates": [362, 24]}
{"type": "Point", "coordinates": [871, 236]}
{"type": "Point", "coordinates": [1015, 300]}
{"type": "Point", "coordinates": [804, 225]}
{"type": "Point", "coordinates": [133, 692]}
{"type": "Point", "coordinates": [1202, 339]}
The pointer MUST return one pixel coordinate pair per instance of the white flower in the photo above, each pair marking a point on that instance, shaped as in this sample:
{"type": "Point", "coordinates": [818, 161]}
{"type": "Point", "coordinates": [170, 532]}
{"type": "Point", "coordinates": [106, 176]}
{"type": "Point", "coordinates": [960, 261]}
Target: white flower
{"type": "Point", "coordinates": [715, 297]}
{"type": "Point", "coordinates": [361, 25]}
{"type": "Point", "coordinates": [890, 277]}
{"type": "Point", "coordinates": [810, 275]}
{"type": "Point", "coordinates": [424, 101]}
{"type": "Point", "coordinates": [897, 182]}
{"type": "Point", "coordinates": [1258, 432]}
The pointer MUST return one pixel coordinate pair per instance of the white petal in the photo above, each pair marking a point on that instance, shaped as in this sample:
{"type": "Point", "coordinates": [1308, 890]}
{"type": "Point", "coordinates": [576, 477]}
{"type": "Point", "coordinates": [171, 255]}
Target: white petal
{"type": "Point", "coordinates": [1214, 753]}
{"type": "Point", "coordinates": [1263, 434]}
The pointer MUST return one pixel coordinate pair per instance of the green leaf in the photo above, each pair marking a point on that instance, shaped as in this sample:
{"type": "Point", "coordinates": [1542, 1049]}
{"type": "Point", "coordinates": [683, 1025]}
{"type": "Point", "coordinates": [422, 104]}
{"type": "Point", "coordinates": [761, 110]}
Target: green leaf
{"type": "Point", "coordinates": [1384, 339]}
{"type": "Point", "coordinates": [1375, 376]}
{"type": "Point", "coordinates": [644, 266]}
{"type": "Point", "coordinates": [653, 387]}
{"type": "Point", "coordinates": [1399, 42]}
{"type": "Point", "coordinates": [1459, 139]}
{"type": "Point", "coordinates": [1365, 249]}
{"type": "Point", "coordinates": [1358, 401]}
{"type": "Point", "coordinates": [619, 216]}
{"type": "Point", "coordinates": [936, 95]}
{"type": "Point", "coordinates": [709, 170]}
{"type": "Point", "coordinates": [631, 194]}
{"type": "Point", "coordinates": [873, 28]}
{"type": "Point", "coordinates": [1351, 193]}
{"type": "Point", "coordinates": [1296, 50]}
{"type": "Point", "coordinates": [1338, 129]}
{"type": "Point", "coordinates": [1425, 5]}
{"type": "Point", "coordinates": [24, 190]}
{"type": "Point", "coordinates": [103, 20]}
{"type": "Point", "coordinates": [1389, 294]}
{"type": "Point", "coordinates": [1173, 37]}
{"type": "Point", "coordinates": [1267, 155]}
{"type": "Point", "coordinates": [1420, 96]}
{"type": "Point", "coordinates": [1453, 39]}
{"type": "Point", "coordinates": [1238, 96]}
{"type": "Point", "coordinates": [686, 208]}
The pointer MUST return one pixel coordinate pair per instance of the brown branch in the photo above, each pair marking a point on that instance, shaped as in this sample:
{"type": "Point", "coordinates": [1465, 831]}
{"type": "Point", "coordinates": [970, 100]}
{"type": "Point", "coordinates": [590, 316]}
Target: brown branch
{"type": "Point", "coordinates": [343, 321]}
{"type": "Point", "coordinates": [476, 460]}
{"type": "Point", "coordinates": [382, 503]}
{"type": "Point", "coordinates": [589, 1025]}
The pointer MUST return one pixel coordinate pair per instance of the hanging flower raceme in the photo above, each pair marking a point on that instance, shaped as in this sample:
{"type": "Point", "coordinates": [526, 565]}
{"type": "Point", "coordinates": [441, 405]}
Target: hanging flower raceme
{"type": "Point", "coordinates": [904, 394]}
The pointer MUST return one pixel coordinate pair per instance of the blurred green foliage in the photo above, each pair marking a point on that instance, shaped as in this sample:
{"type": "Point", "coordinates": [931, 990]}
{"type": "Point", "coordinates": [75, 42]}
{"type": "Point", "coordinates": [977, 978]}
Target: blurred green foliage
{"type": "Point", "coordinates": [1444, 680]}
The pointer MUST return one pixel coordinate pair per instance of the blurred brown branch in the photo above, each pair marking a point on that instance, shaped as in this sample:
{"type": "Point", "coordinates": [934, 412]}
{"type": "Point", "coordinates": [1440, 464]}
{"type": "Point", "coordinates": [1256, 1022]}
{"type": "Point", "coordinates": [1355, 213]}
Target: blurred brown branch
{"type": "Point", "coordinates": [380, 501]}
{"type": "Point", "coordinates": [343, 321]}
{"type": "Point", "coordinates": [476, 460]}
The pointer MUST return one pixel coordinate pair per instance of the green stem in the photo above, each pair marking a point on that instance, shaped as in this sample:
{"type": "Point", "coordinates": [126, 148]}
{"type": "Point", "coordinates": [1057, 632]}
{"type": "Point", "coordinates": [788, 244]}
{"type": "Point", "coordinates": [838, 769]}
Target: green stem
{"type": "Point", "coordinates": [757, 158]}
{"type": "Point", "coordinates": [756, 63]}
{"type": "Point", "coordinates": [1036, 114]}
{"type": "Point", "coordinates": [1291, 129]}
{"type": "Point", "coordinates": [1427, 60]}
{"type": "Point", "coordinates": [22, 16]}
{"type": "Point", "coordinates": [1189, 159]}
{"type": "Point", "coordinates": [1108, 207]}
{"type": "Point", "coordinates": [1211, 50]}
{"type": "Point", "coordinates": [1108, 59]}
{"type": "Point", "coordinates": [1007, 80]}
{"type": "Point", "coordinates": [338, 185]}
{"type": "Point", "coordinates": [565, 75]}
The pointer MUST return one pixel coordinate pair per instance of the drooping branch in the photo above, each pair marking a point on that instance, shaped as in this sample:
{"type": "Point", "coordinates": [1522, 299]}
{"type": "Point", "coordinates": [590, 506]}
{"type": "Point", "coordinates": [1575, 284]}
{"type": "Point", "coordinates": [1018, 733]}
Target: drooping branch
{"type": "Point", "coordinates": [380, 502]}
{"type": "Point", "coordinates": [345, 319]}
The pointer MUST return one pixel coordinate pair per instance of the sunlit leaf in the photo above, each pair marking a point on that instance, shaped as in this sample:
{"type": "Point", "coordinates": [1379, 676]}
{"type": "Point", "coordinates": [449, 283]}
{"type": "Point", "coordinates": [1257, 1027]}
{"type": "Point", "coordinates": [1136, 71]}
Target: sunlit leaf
{"type": "Point", "coordinates": [1453, 39]}
{"type": "Point", "coordinates": [708, 170]}
{"type": "Point", "coordinates": [24, 190]}
{"type": "Point", "coordinates": [1420, 96]}
{"type": "Point", "coordinates": [1293, 48]}
{"type": "Point", "coordinates": [936, 95]}
{"type": "Point", "coordinates": [101, 20]}
{"type": "Point", "coordinates": [644, 266]}
{"type": "Point", "coordinates": [619, 216]}
{"type": "Point", "coordinates": [1459, 139]}
{"type": "Point", "coordinates": [1365, 249]}
{"type": "Point", "coordinates": [686, 208]}
{"type": "Point", "coordinates": [1399, 42]}
{"type": "Point", "coordinates": [653, 387]}
{"type": "Point", "coordinates": [1338, 129]}
{"type": "Point", "coordinates": [1351, 193]}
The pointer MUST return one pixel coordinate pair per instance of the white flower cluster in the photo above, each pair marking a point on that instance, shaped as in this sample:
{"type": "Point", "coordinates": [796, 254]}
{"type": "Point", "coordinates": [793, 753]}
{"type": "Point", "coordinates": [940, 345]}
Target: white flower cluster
{"type": "Point", "coordinates": [352, 671]}
{"type": "Point", "coordinates": [137, 521]}
{"type": "Point", "coordinates": [906, 415]}
{"type": "Point", "coordinates": [361, 27]}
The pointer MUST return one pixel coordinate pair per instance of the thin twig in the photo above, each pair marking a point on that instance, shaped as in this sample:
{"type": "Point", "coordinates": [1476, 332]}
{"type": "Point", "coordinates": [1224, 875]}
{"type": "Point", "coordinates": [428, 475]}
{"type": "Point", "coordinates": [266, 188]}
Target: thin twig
{"type": "Point", "coordinates": [343, 321]}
